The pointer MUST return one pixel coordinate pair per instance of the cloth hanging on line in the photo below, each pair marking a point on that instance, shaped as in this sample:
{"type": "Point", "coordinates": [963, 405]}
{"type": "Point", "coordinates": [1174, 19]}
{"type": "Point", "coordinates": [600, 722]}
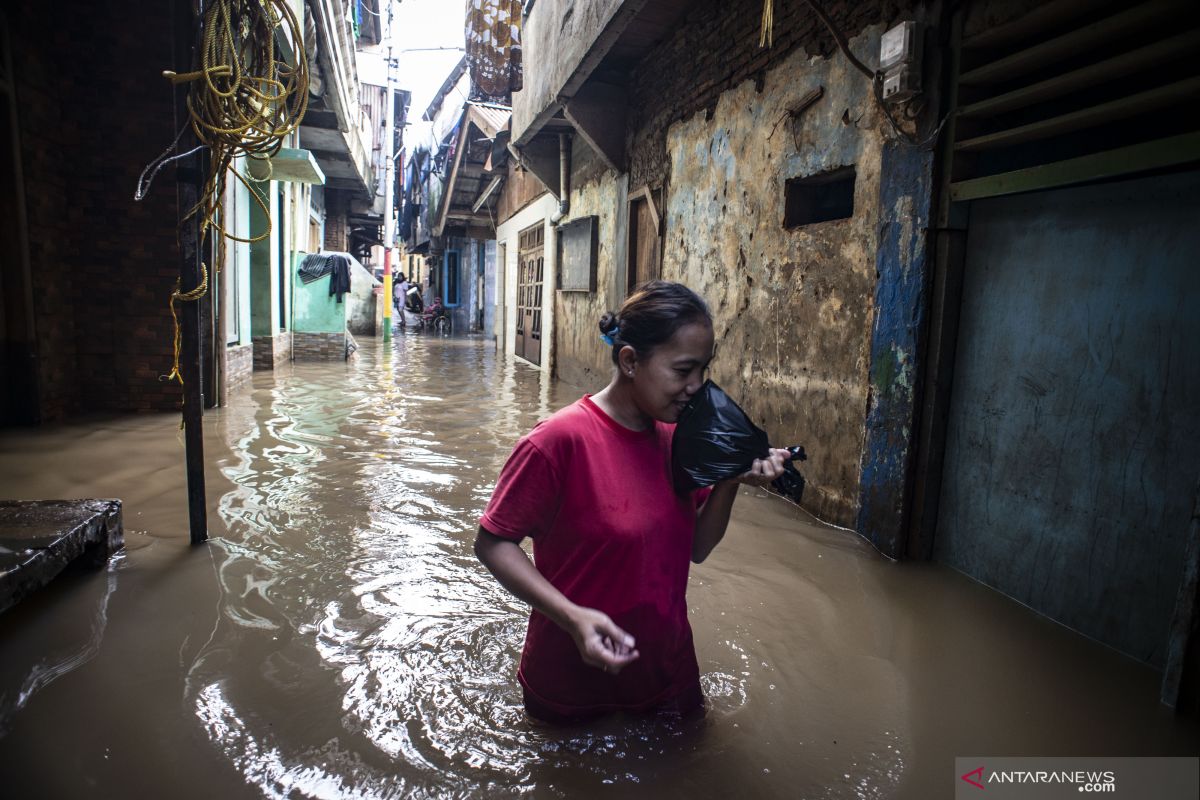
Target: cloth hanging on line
{"type": "Point", "coordinates": [339, 279]}
{"type": "Point", "coordinates": [314, 267]}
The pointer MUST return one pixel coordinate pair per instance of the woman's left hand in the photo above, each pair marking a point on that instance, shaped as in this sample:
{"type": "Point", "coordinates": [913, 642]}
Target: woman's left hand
{"type": "Point", "coordinates": [765, 470]}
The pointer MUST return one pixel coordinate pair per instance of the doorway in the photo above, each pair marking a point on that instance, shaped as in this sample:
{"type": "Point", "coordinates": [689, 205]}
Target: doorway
{"type": "Point", "coordinates": [644, 241]}
{"type": "Point", "coordinates": [530, 272]}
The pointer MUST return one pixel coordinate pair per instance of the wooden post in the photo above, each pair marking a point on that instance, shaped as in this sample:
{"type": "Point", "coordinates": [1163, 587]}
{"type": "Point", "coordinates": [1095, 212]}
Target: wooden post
{"type": "Point", "coordinates": [188, 179]}
{"type": "Point", "coordinates": [1181, 678]}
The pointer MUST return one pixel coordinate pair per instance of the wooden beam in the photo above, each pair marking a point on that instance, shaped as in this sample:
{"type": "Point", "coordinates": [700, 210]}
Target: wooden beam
{"type": "Point", "coordinates": [540, 157]}
{"type": "Point", "coordinates": [487, 192]}
{"type": "Point", "coordinates": [448, 190]}
{"type": "Point", "coordinates": [648, 196]}
{"type": "Point", "coordinates": [1170, 152]}
{"type": "Point", "coordinates": [1181, 677]}
{"type": "Point", "coordinates": [598, 113]}
{"type": "Point", "coordinates": [1122, 108]}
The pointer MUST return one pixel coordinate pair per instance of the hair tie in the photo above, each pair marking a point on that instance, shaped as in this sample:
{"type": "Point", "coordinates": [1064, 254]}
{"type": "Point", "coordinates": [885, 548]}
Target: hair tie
{"type": "Point", "coordinates": [609, 337]}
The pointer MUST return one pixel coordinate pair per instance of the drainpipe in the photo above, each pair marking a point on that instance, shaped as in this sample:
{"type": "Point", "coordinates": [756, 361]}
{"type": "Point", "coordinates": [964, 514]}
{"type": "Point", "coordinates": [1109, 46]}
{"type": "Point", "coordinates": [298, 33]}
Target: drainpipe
{"type": "Point", "coordinates": [564, 178]}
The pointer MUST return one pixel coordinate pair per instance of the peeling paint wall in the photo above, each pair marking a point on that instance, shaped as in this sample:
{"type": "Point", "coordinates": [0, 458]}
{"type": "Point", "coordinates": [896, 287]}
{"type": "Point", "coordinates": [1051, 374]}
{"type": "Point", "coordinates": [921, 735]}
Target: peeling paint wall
{"type": "Point", "coordinates": [793, 308]}
{"type": "Point", "coordinates": [709, 131]}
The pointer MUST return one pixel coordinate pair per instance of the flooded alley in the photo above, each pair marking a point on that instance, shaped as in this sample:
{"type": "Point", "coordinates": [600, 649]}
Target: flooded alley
{"type": "Point", "coordinates": [338, 638]}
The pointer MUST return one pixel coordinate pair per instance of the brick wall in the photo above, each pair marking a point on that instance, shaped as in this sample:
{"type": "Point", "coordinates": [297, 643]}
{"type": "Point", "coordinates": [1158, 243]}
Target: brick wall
{"type": "Point", "coordinates": [239, 365]}
{"type": "Point", "coordinates": [272, 351]}
{"type": "Point", "coordinates": [336, 232]}
{"type": "Point", "coordinates": [93, 110]}
{"type": "Point", "coordinates": [716, 48]}
{"type": "Point", "coordinates": [321, 346]}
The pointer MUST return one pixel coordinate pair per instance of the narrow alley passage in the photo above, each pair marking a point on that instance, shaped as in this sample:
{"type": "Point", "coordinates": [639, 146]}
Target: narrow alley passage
{"type": "Point", "coordinates": [337, 638]}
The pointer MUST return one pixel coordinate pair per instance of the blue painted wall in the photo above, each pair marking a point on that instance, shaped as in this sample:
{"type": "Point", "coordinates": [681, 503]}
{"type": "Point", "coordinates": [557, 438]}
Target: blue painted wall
{"type": "Point", "coordinates": [901, 298]}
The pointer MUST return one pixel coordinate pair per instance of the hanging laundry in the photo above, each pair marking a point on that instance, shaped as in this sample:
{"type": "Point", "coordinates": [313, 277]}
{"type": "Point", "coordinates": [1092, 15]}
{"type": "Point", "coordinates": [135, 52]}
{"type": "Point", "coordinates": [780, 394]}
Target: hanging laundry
{"type": "Point", "coordinates": [339, 281]}
{"type": "Point", "coordinates": [314, 267]}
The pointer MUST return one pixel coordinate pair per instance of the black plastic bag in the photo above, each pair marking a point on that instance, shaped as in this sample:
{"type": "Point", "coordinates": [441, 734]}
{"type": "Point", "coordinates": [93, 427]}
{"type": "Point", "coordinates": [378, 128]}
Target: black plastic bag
{"type": "Point", "coordinates": [714, 440]}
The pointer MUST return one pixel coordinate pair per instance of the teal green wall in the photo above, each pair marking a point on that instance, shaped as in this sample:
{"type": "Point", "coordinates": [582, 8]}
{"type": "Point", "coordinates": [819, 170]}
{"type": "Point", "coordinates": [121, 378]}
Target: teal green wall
{"type": "Point", "coordinates": [263, 291]}
{"type": "Point", "coordinates": [314, 309]}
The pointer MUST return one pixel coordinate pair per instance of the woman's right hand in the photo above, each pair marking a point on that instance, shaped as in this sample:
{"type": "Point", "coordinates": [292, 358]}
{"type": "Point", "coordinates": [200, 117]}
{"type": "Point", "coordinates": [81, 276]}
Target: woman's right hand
{"type": "Point", "coordinates": [601, 643]}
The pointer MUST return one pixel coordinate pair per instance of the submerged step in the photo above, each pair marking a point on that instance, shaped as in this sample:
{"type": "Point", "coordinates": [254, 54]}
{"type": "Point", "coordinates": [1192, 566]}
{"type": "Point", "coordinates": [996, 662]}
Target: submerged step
{"type": "Point", "coordinates": [39, 538]}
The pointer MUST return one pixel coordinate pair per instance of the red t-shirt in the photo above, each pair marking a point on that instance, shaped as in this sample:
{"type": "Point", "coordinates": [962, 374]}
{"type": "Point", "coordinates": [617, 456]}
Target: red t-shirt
{"type": "Point", "coordinates": [610, 533]}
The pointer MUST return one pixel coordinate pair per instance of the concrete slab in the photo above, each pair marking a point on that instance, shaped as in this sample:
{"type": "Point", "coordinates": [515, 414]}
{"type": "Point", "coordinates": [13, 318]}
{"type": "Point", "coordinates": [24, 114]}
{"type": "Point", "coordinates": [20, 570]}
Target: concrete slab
{"type": "Point", "coordinates": [39, 538]}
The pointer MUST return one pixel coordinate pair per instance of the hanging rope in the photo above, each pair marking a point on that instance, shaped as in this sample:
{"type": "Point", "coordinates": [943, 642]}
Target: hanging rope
{"type": "Point", "coordinates": [193, 295]}
{"type": "Point", "coordinates": [767, 32]}
{"type": "Point", "coordinates": [241, 102]}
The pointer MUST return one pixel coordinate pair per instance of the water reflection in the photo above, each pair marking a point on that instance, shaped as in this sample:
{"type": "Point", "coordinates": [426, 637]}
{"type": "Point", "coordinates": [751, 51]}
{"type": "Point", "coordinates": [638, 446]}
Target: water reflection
{"type": "Point", "coordinates": [68, 649]}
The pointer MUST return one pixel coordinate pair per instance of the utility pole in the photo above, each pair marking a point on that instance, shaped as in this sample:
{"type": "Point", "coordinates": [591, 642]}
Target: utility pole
{"type": "Point", "coordinates": [389, 181]}
{"type": "Point", "coordinates": [187, 182]}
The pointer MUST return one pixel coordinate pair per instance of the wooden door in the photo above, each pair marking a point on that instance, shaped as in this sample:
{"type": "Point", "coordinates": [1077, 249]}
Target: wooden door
{"type": "Point", "coordinates": [643, 242]}
{"type": "Point", "coordinates": [530, 272]}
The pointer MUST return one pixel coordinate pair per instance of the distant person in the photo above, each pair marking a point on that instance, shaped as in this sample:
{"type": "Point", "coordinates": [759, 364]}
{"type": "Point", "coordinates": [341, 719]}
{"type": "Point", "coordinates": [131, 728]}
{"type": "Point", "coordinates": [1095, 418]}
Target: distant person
{"type": "Point", "coordinates": [612, 541]}
{"type": "Point", "coordinates": [399, 291]}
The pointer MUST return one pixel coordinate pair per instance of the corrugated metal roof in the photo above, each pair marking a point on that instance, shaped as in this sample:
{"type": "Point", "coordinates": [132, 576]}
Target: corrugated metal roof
{"type": "Point", "coordinates": [495, 116]}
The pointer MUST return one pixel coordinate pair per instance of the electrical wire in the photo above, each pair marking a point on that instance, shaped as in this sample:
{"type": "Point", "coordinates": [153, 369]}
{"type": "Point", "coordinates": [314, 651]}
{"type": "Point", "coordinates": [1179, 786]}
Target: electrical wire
{"type": "Point", "coordinates": [876, 78]}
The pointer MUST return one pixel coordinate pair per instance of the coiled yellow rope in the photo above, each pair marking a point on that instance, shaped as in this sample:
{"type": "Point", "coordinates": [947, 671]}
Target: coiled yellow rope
{"type": "Point", "coordinates": [242, 101]}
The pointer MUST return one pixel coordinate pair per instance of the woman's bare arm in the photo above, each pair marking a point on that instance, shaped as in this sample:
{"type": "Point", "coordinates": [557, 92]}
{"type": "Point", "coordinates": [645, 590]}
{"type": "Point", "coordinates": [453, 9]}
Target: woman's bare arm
{"type": "Point", "coordinates": [601, 643]}
{"type": "Point", "coordinates": [713, 518]}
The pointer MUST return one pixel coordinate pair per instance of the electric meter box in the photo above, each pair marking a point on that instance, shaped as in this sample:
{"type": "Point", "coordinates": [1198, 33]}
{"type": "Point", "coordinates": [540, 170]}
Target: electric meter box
{"type": "Point", "coordinates": [900, 62]}
{"type": "Point", "coordinates": [900, 84]}
{"type": "Point", "coordinates": [899, 46]}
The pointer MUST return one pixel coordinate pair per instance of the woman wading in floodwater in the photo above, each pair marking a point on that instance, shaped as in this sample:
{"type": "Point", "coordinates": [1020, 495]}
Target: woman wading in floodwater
{"type": "Point", "coordinates": [612, 541]}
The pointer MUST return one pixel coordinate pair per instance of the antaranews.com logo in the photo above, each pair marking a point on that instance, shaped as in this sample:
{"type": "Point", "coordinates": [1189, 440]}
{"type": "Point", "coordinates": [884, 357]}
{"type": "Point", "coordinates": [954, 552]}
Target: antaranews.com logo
{"type": "Point", "coordinates": [1086, 781]}
{"type": "Point", "coordinates": [1020, 778]}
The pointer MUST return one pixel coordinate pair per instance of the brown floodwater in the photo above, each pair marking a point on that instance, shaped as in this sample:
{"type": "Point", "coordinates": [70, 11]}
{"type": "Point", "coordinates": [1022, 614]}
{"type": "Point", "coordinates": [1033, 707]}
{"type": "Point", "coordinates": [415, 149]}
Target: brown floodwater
{"type": "Point", "coordinates": [337, 638]}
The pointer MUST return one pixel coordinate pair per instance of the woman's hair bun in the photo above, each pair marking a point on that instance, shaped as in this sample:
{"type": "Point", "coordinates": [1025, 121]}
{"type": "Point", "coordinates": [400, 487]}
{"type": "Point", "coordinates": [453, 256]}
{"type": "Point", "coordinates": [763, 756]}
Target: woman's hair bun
{"type": "Point", "coordinates": [607, 322]}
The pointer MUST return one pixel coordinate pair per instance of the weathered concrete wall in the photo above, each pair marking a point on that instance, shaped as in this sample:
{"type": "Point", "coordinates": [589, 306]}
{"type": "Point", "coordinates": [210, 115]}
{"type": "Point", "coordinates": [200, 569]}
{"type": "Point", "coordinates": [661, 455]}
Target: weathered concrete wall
{"type": "Point", "coordinates": [793, 308]}
{"type": "Point", "coordinates": [264, 262]}
{"type": "Point", "coordinates": [362, 303]}
{"type": "Point", "coordinates": [897, 345]}
{"type": "Point", "coordinates": [581, 358]}
{"type": "Point", "coordinates": [555, 36]}
{"type": "Point", "coordinates": [489, 288]}
{"type": "Point", "coordinates": [716, 50]}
